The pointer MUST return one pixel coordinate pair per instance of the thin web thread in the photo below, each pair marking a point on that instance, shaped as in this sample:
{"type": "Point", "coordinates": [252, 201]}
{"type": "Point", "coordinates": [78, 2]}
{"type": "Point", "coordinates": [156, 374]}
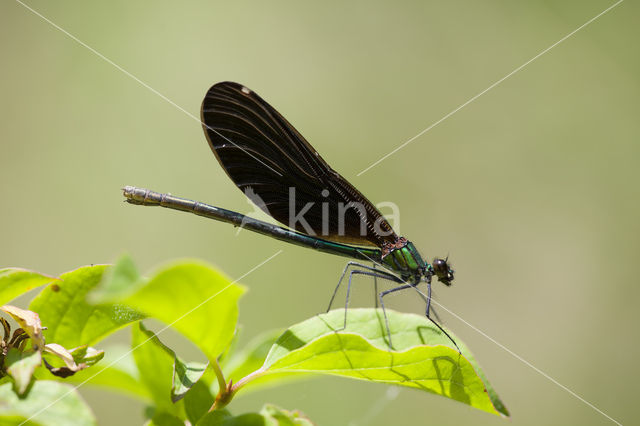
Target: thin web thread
{"type": "Point", "coordinates": [150, 338]}
{"type": "Point", "coordinates": [509, 351]}
{"type": "Point", "coordinates": [363, 171]}
{"type": "Point", "coordinates": [489, 88]}
{"type": "Point", "coordinates": [142, 83]}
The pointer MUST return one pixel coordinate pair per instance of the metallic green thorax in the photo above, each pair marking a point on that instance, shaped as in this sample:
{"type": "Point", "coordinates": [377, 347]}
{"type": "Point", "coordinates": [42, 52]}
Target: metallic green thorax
{"type": "Point", "coordinates": [406, 261]}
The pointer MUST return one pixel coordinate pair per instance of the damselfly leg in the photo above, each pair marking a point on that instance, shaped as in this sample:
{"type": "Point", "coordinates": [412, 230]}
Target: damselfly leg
{"type": "Point", "coordinates": [364, 270]}
{"type": "Point", "coordinates": [426, 298]}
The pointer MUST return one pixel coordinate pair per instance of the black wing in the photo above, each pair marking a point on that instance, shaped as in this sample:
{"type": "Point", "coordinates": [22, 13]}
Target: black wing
{"type": "Point", "coordinates": [264, 155]}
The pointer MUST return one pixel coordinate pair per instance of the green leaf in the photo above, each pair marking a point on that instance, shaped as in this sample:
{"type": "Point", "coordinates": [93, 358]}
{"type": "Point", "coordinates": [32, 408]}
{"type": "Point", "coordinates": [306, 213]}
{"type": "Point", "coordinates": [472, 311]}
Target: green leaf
{"type": "Point", "coordinates": [165, 419]}
{"type": "Point", "coordinates": [50, 404]}
{"type": "Point", "coordinates": [193, 298]}
{"type": "Point", "coordinates": [86, 355]}
{"type": "Point", "coordinates": [117, 372]}
{"type": "Point", "coordinates": [16, 281]}
{"type": "Point", "coordinates": [69, 319]}
{"type": "Point", "coordinates": [217, 418]}
{"type": "Point", "coordinates": [422, 358]}
{"type": "Point", "coordinates": [75, 360]}
{"type": "Point", "coordinates": [185, 375]}
{"type": "Point", "coordinates": [10, 420]}
{"type": "Point", "coordinates": [230, 350]}
{"type": "Point", "coordinates": [285, 417]}
{"type": "Point", "coordinates": [198, 401]}
{"type": "Point", "coordinates": [118, 280]}
{"type": "Point", "coordinates": [252, 357]}
{"type": "Point", "coordinates": [270, 415]}
{"type": "Point", "coordinates": [21, 366]}
{"type": "Point", "coordinates": [155, 365]}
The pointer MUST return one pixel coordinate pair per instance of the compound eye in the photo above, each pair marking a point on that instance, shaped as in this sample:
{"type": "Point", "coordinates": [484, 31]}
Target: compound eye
{"type": "Point", "coordinates": [440, 266]}
{"type": "Point", "coordinates": [443, 271]}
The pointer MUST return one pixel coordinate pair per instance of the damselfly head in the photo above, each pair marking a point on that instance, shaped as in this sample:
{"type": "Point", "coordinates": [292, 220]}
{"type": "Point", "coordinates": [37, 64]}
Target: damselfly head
{"type": "Point", "coordinates": [442, 270]}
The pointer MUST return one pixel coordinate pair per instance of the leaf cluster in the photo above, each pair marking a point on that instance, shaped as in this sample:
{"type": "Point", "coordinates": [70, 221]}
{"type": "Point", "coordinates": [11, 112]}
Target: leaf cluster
{"type": "Point", "coordinates": [80, 308]}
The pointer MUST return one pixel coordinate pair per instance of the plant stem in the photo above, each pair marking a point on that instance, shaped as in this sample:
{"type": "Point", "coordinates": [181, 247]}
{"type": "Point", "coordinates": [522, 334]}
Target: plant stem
{"type": "Point", "coordinates": [228, 390]}
{"type": "Point", "coordinates": [246, 379]}
{"type": "Point", "coordinates": [222, 384]}
{"type": "Point", "coordinates": [225, 393]}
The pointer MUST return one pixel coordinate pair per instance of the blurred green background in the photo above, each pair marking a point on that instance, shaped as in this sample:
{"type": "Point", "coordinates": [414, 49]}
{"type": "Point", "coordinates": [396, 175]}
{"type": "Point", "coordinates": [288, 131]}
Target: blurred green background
{"type": "Point", "coordinates": [532, 189]}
